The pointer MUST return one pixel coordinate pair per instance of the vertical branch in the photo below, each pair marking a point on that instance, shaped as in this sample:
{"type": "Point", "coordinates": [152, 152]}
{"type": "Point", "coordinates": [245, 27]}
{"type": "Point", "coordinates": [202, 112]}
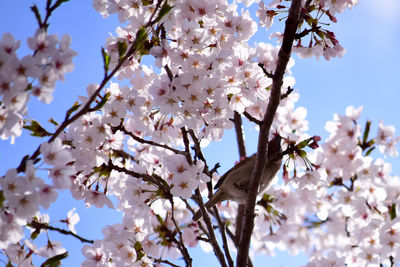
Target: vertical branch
{"type": "Point", "coordinates": [181, 245]}
{"type": "Point", "coordinates": [237, 120]}
{"type": "Point", "coordinates": [291, 26]}
{"type": "Point", "coordinates": [187, 145]}
{"type": "Point", "coordinates": [213, 240]}
{"type": "Point", "coordinates": [222, 229]}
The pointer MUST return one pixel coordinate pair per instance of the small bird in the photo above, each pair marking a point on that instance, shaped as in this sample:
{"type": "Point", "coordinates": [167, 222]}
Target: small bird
{"type": "Point", "coordinates": [233, 185]}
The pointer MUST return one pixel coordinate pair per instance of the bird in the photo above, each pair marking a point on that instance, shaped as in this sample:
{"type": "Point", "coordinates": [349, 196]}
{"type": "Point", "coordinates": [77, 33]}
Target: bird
{"type": "Point", "coordinates": [233, 185]}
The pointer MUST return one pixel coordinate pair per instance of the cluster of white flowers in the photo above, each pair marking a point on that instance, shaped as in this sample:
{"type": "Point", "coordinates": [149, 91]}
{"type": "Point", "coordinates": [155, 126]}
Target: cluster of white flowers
{"type": "Point", "coordinates": [24, 195]}
{"type": "Point", "coordinates": [136, 147]}
{"type": "Point", "coordinates": [34, 75]}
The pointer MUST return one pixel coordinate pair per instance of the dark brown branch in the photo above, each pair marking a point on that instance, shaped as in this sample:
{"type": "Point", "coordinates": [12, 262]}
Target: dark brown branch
{"type": "Point", "coordinates": [232, 237]}
{"type": "Point", "coordinates": [213, 240]}
{"type": "Point", "coordinates": [181, 245]}
{"type": "Point", "coordinates": [288, 92]}
{"type": "Point", "coordinates": [291, 26]}
{"type": "Point", "coordinates": [186, 142]}
{"type": "Point", "coordinates": [145, 177]}
{"type": "Point", "coordinates": [237, 120]}
{"type": "Point", "coordinates": [251, 118]}
{"type": "Point", "coordinates": [269, 75]}
{"type": "Point", "coordinates": [165, 262]}
{"type": "Point", "coordinates": [199, 154]}
{"type": "Point", "coordinates": [38, 226]}
{"type": "Point", "coordinates": [222, 229]}
{"type": "Point", "coordinates": [143, 141]}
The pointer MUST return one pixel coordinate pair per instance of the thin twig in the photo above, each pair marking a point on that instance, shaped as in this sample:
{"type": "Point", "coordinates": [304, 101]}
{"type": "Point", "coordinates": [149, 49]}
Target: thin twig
{"type": "Point", "coordinates": [165, 261]}
{"type": "Point", "coordinates": [38, 226]}
{"type": "Point", "coordinates": [143, 141]}
{"type": "Point", "coordinates": [199, 154]}
{"type": "Point", "coordinates": [145, 177]}
{"type": "Point", "coordinates": [222, 228]}
{"type": "Point", "coordinates": [288, 92]}
{"type": "Point", "coordinates": [251, 118]}
{"type": "Point", "coordinates": [213, 240]}
{"type": "Point", "coordinates": [181, 245]}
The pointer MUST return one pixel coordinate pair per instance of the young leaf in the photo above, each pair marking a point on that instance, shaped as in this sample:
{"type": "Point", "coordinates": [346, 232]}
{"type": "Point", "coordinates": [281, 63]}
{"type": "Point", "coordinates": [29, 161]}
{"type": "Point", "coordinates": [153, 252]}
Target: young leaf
{"type": "Point", "coordinates": [102, 102]}
{"type": "Point", "coordinates": [392, 211]}
{"type": "Point", "coordinates": [2, 198]}
{"type": "Point", "coordinates": [164, 11]}
{"type": "Point", "coordinates": [369, 151]}
{"type": "Point", "coordinates": [72, 109]}
{"type": "Point", "coordinates": [106, 59]}
{"type": "Point", "coordinates": [366, 132]}
{"type": "Point", "coordinates": [122, 47]}
{"type": "Point", "coordinates": [54, 261]}
{"type": "Point", "coordinates": [36, 129]}
{"type": "Point", "coordinates": [141, 35]}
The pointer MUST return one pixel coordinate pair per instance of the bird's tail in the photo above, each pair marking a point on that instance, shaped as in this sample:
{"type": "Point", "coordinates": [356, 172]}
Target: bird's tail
{"type": "Point", "coordinates": [218, 197]}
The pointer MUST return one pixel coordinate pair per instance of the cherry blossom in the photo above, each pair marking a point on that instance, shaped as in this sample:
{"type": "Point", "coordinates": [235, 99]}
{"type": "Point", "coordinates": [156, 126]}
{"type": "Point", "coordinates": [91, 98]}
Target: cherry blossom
{"type": "Point", "coordinates": [135, 142]}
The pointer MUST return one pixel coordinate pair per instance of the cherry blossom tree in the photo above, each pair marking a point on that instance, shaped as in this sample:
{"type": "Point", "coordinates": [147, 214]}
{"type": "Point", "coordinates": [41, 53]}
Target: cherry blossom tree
{"type": "Point", "coordinates": [136, 141]}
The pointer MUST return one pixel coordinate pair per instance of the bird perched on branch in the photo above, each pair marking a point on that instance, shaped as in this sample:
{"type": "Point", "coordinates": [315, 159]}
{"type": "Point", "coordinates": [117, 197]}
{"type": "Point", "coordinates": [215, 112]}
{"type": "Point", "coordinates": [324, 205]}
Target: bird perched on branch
{"type": "Point", "coordinates": [233, 185]}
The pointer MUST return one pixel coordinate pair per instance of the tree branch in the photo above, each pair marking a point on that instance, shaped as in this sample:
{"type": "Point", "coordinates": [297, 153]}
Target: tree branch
{"type": "Point", "coordinates": [222, 229]}
{"type": "Point", "coordinates": [38, 226]}
{"type": "Point", "coordinates": [213, 240]}
{"type": "Point", "coordinates": [180, 244]}
{"type": "Point", "coordinates": [237, 120]}
{"type": "Point", "coordinates": [251, 118]}
{"type": "Point", "coordinates": [291, 26]}
{"type": "Point", "coordinates": [144, 141]}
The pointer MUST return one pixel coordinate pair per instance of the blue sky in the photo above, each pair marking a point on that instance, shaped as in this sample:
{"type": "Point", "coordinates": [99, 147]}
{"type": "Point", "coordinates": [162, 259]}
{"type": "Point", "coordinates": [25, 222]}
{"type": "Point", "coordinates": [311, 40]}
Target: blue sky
{"type": "Point", "coordinates": [367, 75]}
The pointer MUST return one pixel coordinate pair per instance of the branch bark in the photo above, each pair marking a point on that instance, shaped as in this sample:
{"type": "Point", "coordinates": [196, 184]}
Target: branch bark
{"type": "Point", "coordinates": [291, 26]}
{"type": "Point", "coordinates": [237, 120]}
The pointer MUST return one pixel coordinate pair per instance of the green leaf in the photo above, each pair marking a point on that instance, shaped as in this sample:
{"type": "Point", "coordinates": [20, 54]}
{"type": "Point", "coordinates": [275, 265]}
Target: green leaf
{"type": "Point", "coordinates": [303, 143]}
{"type": "Point", "coordinates": [74, 107]}
{"type": "Point", "coordinates": [122, 47]}
{"type": "Point", "coordinates": [28, 87]}
{"type": "Point", "coordinates": [54, 261]}
{"type": "Point", "coordinates": [392, 211]}
{"type": "Point", "coordinates": [141, 36]}
{"type": "Point", "coordinates": [369, 151]}
{"type": "Point", "coordinates": [36, 129]}
{"type": "Point", "coordinates": [106, 59]}
{"type": "Point", "coordinates": [147, 2]}
{"type": "Point", "coordinates": [2, 198]}
{"type": "Point", "coordinates": [35, 234]}
{"type": "Point", "coordinates": [164, 11]}
{"type": "Point", "coordinates": [35, 11]}
{"type": "Point", "coordinates": [102, 102]}
{"type": "Point", "coordinates": [366, 131]}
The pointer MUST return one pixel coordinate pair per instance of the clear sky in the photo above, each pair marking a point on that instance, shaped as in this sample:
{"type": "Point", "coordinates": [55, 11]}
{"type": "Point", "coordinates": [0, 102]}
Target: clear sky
{"type": "Point", "coordinates": [367, 75]}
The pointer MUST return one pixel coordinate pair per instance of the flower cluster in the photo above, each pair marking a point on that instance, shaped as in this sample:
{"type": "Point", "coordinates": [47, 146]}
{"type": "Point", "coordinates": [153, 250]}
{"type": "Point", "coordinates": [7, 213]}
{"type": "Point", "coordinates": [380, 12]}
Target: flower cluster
{"type": "Point", "coordinates": [32, 75]}
{"type": "Point", "coordinates": [141, 145]}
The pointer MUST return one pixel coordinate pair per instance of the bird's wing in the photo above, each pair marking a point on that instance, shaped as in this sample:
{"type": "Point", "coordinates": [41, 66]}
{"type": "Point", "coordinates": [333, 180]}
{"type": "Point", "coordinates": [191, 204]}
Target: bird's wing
{"type": "Point", "coordinates": [234, 168]}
